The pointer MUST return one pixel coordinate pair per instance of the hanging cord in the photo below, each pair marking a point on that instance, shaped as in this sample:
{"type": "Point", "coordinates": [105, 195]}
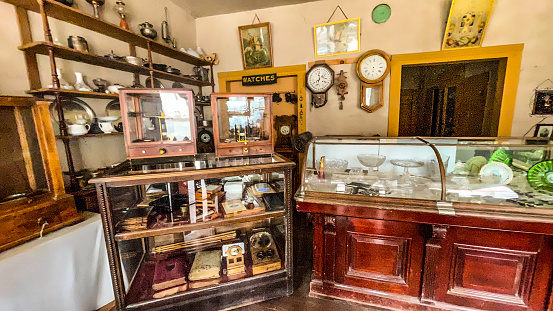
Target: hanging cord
{"type": "Point", "coordinates": [547, 88]}
{"type": "Point", "coordinates": [258, 21]}
{"type": "Point", "coordinates": [337, 7]}
{"type": "Point", "coordinates": [533, 126]}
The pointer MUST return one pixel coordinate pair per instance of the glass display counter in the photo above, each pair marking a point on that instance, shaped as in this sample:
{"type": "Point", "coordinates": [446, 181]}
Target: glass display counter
{"type": "Point", "coordinates": [431, 223]}
{"type": "Point", "coordinates": [509, 172]}
{"type": "Point", "coordinates": [196, 232]}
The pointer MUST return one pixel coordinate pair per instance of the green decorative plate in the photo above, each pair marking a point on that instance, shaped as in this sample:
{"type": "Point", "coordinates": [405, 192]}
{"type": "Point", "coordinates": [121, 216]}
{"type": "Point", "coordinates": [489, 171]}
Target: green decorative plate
{"type": "Point", "coordinates": [540, 176]}
{"type": "Point", "coordinates": [381, 13]}
{"type": "Point", "coordinates": [502, 156]}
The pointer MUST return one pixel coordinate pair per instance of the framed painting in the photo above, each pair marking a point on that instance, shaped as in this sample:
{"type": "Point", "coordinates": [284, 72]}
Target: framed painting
{"type": "Point", "coordinates": [256, 47]}
{"type": "Point", "coordinates": [337, 37]}
{"type": "Point", "coordinates": [543, 102]}
{"type": "Point", "coordinates": [467, 23]}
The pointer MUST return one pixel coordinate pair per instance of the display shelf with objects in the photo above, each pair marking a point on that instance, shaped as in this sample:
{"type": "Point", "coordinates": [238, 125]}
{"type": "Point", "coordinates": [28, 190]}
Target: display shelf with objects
{"type": "Point", "coordinates": [443, 220]}
{"type": "Point", "coordinates": [32, 48]}
{"type": "Point", "coordinates": [177, 218]}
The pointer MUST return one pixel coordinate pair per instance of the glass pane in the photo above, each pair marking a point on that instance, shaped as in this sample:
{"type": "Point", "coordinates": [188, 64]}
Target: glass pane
{"type": "Point", "coordinates": [162, 116]}
{"type": "Point", "coordinates": [509, 173]}
{"type": "Point", "coordinates": [243, 119]}
{"type": "Point", "coordinates": [390, 167]}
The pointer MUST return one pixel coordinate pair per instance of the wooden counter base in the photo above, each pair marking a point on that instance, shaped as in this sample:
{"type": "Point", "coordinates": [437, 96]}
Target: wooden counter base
{"type": "Point", "coordinates": [410, 265]}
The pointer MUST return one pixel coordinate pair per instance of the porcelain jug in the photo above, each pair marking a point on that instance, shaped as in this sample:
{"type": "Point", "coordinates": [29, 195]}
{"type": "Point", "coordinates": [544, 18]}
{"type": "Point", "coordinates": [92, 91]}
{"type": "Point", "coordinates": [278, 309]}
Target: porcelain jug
{"type": "Point", "coordinates": [106, 127]}
{"type": "Point", "coordinates": [78, 129]}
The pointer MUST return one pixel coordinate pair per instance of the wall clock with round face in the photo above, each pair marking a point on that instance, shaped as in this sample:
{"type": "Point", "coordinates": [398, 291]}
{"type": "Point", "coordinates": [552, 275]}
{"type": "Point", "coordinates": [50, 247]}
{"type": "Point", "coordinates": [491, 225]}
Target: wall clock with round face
{"type": "Point", "coordinates": [320, 78]}
{"type": "Point", "coordinates": [373, 66]}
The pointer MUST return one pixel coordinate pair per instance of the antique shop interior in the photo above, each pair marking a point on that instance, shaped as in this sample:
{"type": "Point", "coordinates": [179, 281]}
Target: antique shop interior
{"type": "Point", "coordinates": [276, 155]}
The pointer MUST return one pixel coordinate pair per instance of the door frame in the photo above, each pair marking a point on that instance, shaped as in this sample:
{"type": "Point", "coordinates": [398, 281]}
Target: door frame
{"type": "Point", "coordinates": [513, 54]}
{"type": "Point", "coordinates": [225, 78]}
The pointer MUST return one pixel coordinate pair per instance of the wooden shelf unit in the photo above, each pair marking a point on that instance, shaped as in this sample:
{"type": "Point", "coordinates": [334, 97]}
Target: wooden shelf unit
{"type": "Point", "coordinates": [71, 93]}
{"type": "Point", "coordinates": [76, 17]}
{"type": "Point", "coordinates": [43, 48]}
{"type": "Point", "coordinates": [32, 48]}
{"type": "Point", "coordinates": [89, 135]}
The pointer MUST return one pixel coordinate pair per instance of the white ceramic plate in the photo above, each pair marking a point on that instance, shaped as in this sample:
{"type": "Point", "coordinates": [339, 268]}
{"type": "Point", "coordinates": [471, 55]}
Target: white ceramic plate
{"type": "Point", "coordinates": [496, 173]}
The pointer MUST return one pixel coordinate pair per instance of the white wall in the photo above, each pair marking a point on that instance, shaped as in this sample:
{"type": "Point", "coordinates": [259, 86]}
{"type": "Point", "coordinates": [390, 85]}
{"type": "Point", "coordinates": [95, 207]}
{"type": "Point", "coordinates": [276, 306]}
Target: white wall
{"type": "Point", "coordinates": [415, 26]}
{"type": "Point", "coordinates": [90, 152]}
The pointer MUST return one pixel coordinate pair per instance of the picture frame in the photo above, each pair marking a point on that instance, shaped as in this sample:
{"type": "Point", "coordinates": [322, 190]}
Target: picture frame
{"type": "Point", "coordinates": [337, 38]}
{"type": "Point", "coordinates": [543, 102]}
{"type": "Point", "coordinates": [255, 45]}
{"type": "Point", "coordinates": [466, 24]}
{"type": "Point", "coordinates": [543, 131]}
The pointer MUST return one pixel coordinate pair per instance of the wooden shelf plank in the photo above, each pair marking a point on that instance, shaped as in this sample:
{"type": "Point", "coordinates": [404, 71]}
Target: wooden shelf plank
{"type": "Point", "coordinates": [71, 15]}
{"type": "Point", "coordinates": [89, 135]}
{"type": "Point", "coordinates": [72, 93]}
{"type": "Point", "coordinates": [42, 48]}
{"type": "Point", "coordinates": [200, 225]}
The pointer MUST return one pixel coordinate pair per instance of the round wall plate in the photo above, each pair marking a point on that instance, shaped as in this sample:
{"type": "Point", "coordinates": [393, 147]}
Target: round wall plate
{"type": "Point", "coordinates": [381, 13]}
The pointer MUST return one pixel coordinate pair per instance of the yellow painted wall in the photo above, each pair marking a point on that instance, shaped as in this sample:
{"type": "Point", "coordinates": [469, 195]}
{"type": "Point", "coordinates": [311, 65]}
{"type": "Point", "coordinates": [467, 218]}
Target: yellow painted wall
{"type": "Point", "coordinates": [415, 26]}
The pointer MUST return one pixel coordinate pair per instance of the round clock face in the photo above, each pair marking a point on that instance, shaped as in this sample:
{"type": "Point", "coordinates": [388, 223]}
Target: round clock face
{"type": "Point", "coordinates": [205, 138]}
{"type": "Point", "coordinates": [320, 79]}
{"type": "Point", "coordinates": [373, 67]}
{"type": "Point", "coordinates": [285, 130]}
{"type": "Point", "coordinates": [235, 250]}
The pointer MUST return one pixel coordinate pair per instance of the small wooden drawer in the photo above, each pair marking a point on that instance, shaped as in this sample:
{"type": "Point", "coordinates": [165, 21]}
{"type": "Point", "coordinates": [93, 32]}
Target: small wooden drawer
{"type": "Point", "coordinates": [161, 151]}
{"type": "Point", "coordinates": [244, 151]}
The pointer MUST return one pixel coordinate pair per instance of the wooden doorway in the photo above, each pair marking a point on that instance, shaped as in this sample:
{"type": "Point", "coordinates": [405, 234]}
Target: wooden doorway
{"type": "Point", "coordinates": [452, 99]}
{"type": "Point", "coordinates": [511, 53]}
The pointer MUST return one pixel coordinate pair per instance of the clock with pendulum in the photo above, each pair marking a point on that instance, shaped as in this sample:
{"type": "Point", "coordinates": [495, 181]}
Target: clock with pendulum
{"type": "Point", "coordinates": [320, 78]}
{"type": "Point", "coordinates": [372, 68]}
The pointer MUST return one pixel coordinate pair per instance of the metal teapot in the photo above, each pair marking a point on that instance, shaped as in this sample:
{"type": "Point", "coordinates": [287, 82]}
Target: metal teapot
{"type": "Point", "coordinates": [147, 30]}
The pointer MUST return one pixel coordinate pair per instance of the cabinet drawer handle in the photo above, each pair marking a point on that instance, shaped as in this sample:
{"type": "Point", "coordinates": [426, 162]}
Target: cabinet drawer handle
{"type": "Point", "coordinates": [43, 225]}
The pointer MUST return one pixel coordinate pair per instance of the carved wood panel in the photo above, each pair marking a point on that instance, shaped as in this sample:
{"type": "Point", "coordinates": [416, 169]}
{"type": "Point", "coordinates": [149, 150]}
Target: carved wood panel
{"type": "Point", "coordinates": [493, 270]}
{"type": "Point", "coordinates": [379, 255]}
{"type": "Point", "coordinates": [491, 274]}
{"type": "Point", "coordinates": [366, 251]}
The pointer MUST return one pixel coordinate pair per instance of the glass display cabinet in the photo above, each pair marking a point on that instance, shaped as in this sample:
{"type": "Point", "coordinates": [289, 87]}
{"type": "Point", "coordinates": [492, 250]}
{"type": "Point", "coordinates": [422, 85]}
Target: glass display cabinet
{"type": "Point", "coordinates": [158, 122]}
{"type": "Point", "coordinates": [447, 222]}
{"type": "Point", "coordinates": [196, 232]}
{"type": "Point", "coordinates": [242, 124]}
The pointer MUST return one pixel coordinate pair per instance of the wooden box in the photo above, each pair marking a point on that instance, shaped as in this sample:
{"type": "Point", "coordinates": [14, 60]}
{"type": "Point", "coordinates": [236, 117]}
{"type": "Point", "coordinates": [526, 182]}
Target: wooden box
{"type": "Point", "coordinates": [32, 195]}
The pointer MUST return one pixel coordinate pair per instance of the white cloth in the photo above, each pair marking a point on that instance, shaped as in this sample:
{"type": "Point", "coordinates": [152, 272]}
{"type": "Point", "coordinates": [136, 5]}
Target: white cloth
{"type": "Point", "coordinates": [66, 270]}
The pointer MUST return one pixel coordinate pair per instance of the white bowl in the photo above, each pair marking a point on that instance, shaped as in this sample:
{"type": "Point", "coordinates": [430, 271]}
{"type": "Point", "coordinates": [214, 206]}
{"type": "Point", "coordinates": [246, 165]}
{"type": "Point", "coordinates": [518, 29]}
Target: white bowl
{"type": "Point", "coordinates": [108, 119]}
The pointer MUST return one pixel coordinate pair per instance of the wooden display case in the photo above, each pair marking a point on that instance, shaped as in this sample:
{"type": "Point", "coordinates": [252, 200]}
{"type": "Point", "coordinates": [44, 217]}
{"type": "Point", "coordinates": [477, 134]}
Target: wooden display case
{"type": "Point", "coordinates": [158, 122]}
{"type": "Point", "coordinates": [156, 218]}
{"type": "Point", "coordinates": [242, 124]}
{"type": "Point", "coordinates": [456, 235]}
{"type": "Point", "coordinates": [32, 197]}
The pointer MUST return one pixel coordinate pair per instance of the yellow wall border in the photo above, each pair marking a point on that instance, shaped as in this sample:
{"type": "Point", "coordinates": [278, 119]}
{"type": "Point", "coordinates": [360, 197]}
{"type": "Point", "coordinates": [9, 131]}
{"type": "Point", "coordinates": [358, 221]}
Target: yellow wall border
{"type": "Point", "coordinates": [298, 70]}
{"type": "Point", "coordinates": [513, 53]}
